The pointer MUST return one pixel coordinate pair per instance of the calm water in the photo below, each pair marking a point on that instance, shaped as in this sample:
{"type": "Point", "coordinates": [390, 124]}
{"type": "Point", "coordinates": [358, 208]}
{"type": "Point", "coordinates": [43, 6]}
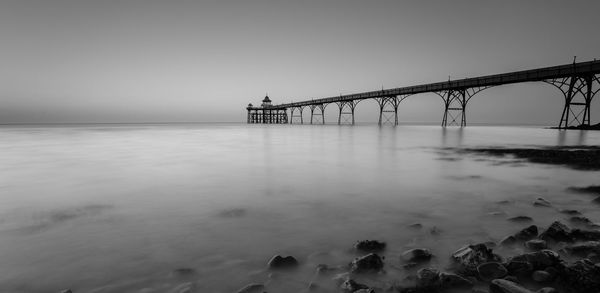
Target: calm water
{"type": "Point", "coordinates": [118, 208]}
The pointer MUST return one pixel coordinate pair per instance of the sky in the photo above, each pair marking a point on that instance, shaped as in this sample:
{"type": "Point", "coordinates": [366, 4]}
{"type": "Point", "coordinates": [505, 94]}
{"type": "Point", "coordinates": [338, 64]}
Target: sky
{"type": "Point", "coordinates": [70, 61]}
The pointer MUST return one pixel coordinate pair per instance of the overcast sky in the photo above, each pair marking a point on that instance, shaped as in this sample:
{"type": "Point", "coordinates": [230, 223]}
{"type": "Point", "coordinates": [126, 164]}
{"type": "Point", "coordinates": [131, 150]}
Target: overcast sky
{"type": "Point", "coordinates": [147, 60]}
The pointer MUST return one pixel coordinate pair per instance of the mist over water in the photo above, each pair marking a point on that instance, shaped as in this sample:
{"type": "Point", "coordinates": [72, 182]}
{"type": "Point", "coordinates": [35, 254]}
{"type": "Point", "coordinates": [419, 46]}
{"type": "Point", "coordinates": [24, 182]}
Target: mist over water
{"type": "Point", "coordinates": [118, 208]}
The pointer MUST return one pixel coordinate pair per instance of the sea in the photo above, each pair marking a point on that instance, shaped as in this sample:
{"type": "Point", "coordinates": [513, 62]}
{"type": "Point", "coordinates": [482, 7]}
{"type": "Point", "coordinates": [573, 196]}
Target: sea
{"type": "Point", "coordinates": [203, 207]}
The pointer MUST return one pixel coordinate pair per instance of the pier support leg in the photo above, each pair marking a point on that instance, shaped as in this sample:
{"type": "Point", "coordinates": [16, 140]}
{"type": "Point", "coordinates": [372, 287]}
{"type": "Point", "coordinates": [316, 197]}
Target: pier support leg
{"type": "Point", "coordinates": [388, 109]}
{"type": "Point", "coordinates": [292, 116]}
{"type": "Point", "coordinates": [455, 105]}
{"type": "Point", "coordinates": [316, 111]}
{"type": "Point", "coordinates": [346, 111]}
{"type": "Point", "coordinates": [578, 92]}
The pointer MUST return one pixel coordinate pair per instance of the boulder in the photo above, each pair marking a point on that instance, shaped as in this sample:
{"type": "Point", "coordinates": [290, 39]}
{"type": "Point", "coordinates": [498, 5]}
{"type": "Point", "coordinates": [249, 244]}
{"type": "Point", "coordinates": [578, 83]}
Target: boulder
{"type": "Point", "coordinates": [279, 262]}
{"type": "Point", "coordinates": [370, 263]}
{"type": "Point", "coordinates": [369, 246]}
{"type": "Point", "coordinates": [508, 241]}
{"type": "Point", "coordinates": [527, 233]}
{"type": "Point", "coordinates": [536, 244]}
{"type": "Point", "coordinates": [520, 219]}
{"type": "Point", "coordinates": [541, 202]}
{"type": "Point", "coordinates": [252, 288]}
{"type": "Point", "coordinates": [451, 281]}
{"type": "Point", "coordinates": [519, 268]}
{"type": "Point", "coordinates": [491, 270]}
{"type": "Point", "coordinates": [570, 212]}
{"type": "Point", "coordinates": [505, 286]}
{"type": "Point", "coordinates": [583, 249]}
{"type": "Point", "coordinates": [541, 276]}
{"type": "Point", "coordinates": [428, 278]}
{"type": "Point", "coordinates": [581, 220]}
{"type": "Point", "coordinates": [585, 235]}
{"type": "Point", "coordinates": [539, 260]}
{"type": "Point", "coordinates": [351, 286]}
{"type": "Point", "coordinates": [369, 290]}
{"type": "Point", "coordinates": [469, 257]}
{"type": "Point", "coordinates": [582, 276]}
{"type": "Point", "coordinates": [417, 255]}
{"type": "Point", "coordinates": [557, 232]}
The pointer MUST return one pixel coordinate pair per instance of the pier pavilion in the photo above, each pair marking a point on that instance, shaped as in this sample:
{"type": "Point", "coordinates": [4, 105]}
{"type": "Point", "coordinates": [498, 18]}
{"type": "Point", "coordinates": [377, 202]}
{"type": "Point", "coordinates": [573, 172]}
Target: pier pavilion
{"type": "Point", "coordinates": [267, 113]}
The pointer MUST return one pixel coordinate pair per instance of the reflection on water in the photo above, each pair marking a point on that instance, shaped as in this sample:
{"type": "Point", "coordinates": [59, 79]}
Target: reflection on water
{"type": "Point", "coordinates": [128, 208]}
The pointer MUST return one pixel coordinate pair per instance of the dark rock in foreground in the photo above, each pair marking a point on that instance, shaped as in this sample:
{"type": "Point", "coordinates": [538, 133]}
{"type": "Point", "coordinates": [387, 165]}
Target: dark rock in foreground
{"type": "Point", "coordinates": [369, 245]}
{"type": "Point", "coordinates": [527, 233]}
{"type": "Point", "coordinates": [279, 262]}
{"type": "Point", "coordinates": [491, 270]}
{"type": "Point", "coordinates": [557, 232]}
{"type": "Point", "coordinates": [538, 260]}
{"type": "Point", "coordinates": [582, 277]}
{"type": "Point", "coordinates": [370, 263]}
{"type": "Point", "coordinates": [468, 258]}
{"type": "Point", "coordinates": [505, 286]}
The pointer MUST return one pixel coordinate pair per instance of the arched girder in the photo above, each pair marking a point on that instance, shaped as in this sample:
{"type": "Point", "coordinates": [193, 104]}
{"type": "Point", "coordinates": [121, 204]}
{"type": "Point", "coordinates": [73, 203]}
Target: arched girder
{"type": "Point", "coordinates": [387, 106]}
{"type": "Point", "coordinates": [317, 110]}
{"type": "Point", "coordinates": [578, 91]}
{"type": "Point", "coordinates": [348, 106]}
{"type": "Point", "coordinates": [299, 109]}
{"type": "Point", "coordinates": [456, 100]}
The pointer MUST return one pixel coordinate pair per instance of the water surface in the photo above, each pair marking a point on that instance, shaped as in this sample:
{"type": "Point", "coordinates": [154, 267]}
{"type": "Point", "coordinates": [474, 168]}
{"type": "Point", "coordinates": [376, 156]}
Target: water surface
{"type": "Point", "coordinates": [117, 208]}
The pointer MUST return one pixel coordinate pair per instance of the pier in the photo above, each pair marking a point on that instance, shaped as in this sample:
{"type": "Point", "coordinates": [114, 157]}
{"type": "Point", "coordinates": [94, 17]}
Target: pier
{"type": "Point", "coordinates": [578, 82]}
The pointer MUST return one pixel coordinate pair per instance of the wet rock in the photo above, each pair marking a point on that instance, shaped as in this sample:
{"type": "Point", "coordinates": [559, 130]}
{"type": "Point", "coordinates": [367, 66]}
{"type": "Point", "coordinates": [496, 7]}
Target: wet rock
{"type": "Point", "coordinates": [505, 286]}
{"type": "Point", "coordinates": [519, 268]}
{"type": "Point", "coordinates": [252, 288]}
{"type": "Point", "coordinates": [415, 226]}
{"type": "Point", "coordinates": [279, 262]}
{"type": "Point", "coordinates": [541, 202]}
{"type": "Point", "coordinates": [582, 276]}
{"type": "Point", "coordinates": [352, 286]}
{"type": "Point", "coordinates": [539, 260]}
{"type": "Point", "coordinates": [536, 244]}
{"type": "Point", "coordinates": [365, 291]}
{"type": "Point", "coordinates": [491, 270]}
{"type": "Point", "coordinates": [417, 255]}
{"type": "Point", "coordinates": [369, 246]}
{"type": "Point", "coordinates": [585, 235]}
{"type": "Point", "coordinates": [450, 281]}
{"type": "Point", "coordinates": [428, 278]}
{"type": "Point", "coordinates": [508, 241]}
{"type": "Point", "coordinates": [541, 276]}
{"type": "Point", "coordinates": [583, 249]}
{"type": "Point", "coordinates": [527, 233]}
{"type": "Point", "coordinates": [520, 219]}
{"type": "Point", "coordinates": [469, 257]}
{"type": "Point", "coordinates": [368, 263]}
{"type": "Point", "coordinates": [571, 212]}
{"type": "Point", "coordinates": [547, 290]}
{"type": "Point", "coordinates": [581, 220]}
{"type": "Point", "coordinates": [557, 232]}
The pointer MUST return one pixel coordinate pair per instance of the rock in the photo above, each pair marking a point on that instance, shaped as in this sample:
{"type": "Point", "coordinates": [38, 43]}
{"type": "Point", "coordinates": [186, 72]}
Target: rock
{"type": "Point", "coordinates": [584, 248]}
{"type": "Point", "coordinates": [581, 220]}
{"type": "Point", "coordinates": [451, 281]}
{"type": "Point", "coordinates": [417, 255]}
{"type": "Point", "coordinates": [323, 269]}
{"type": "Point", "coordinates": [252, 288]}
{"type": "Point", "coordinates": [539, 260]}
{"type": "Point", "coordinates": [536, 244]}
{"type": "Point", "coordinates": [547, 290]}
{"type": "Point", "coordinates": [279, 262]}
{"type": "Point", "coordinates": [508, 241]}
{"type": "Point", "coordinates": [365, 291]}
{"type": "Point", "coordinates": [368, 263]}
{"type": "Point", "coordinates": [585, 235]}
{"type": "Point", "coordinates": [541, 276]}
{"type": "Point", "coordinates": [369, 246]}
{"type": "Point", "coordinates": [415, 226]}
{"type": "Point", "coordinates": [571, 212]}
{"type": "Point", "coordinates": [596, 200]}
{"type": "Point", "coordinates": [352, 286]}
{"type": "Point", "coordinates": [594, 257]}
{"type": "Point", "coordinates": [428, 278]}
{"type": "Point", "coordinates": [581, 276]}
{"type": "Point", "coordinates": [520, 219]}
{"type": "Point", "coordinates": [512, 279]}
{"type": "Point", "coordinates": [557, 232]}
{"type": "Point", "coordinates": [505, 286]}
{"type": "Point", "coordinates": [552, 271]}
{"type": "Point", "coordinates": [491, 270]}
{"type": "Point", "coordinates": [469, 257]}
{"type": "Point", "coordinates": [527, 233]}
{"type": "Point", "coordinates": [519, 268]}
{"type": "Point", "coordinates": [541, 202]}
